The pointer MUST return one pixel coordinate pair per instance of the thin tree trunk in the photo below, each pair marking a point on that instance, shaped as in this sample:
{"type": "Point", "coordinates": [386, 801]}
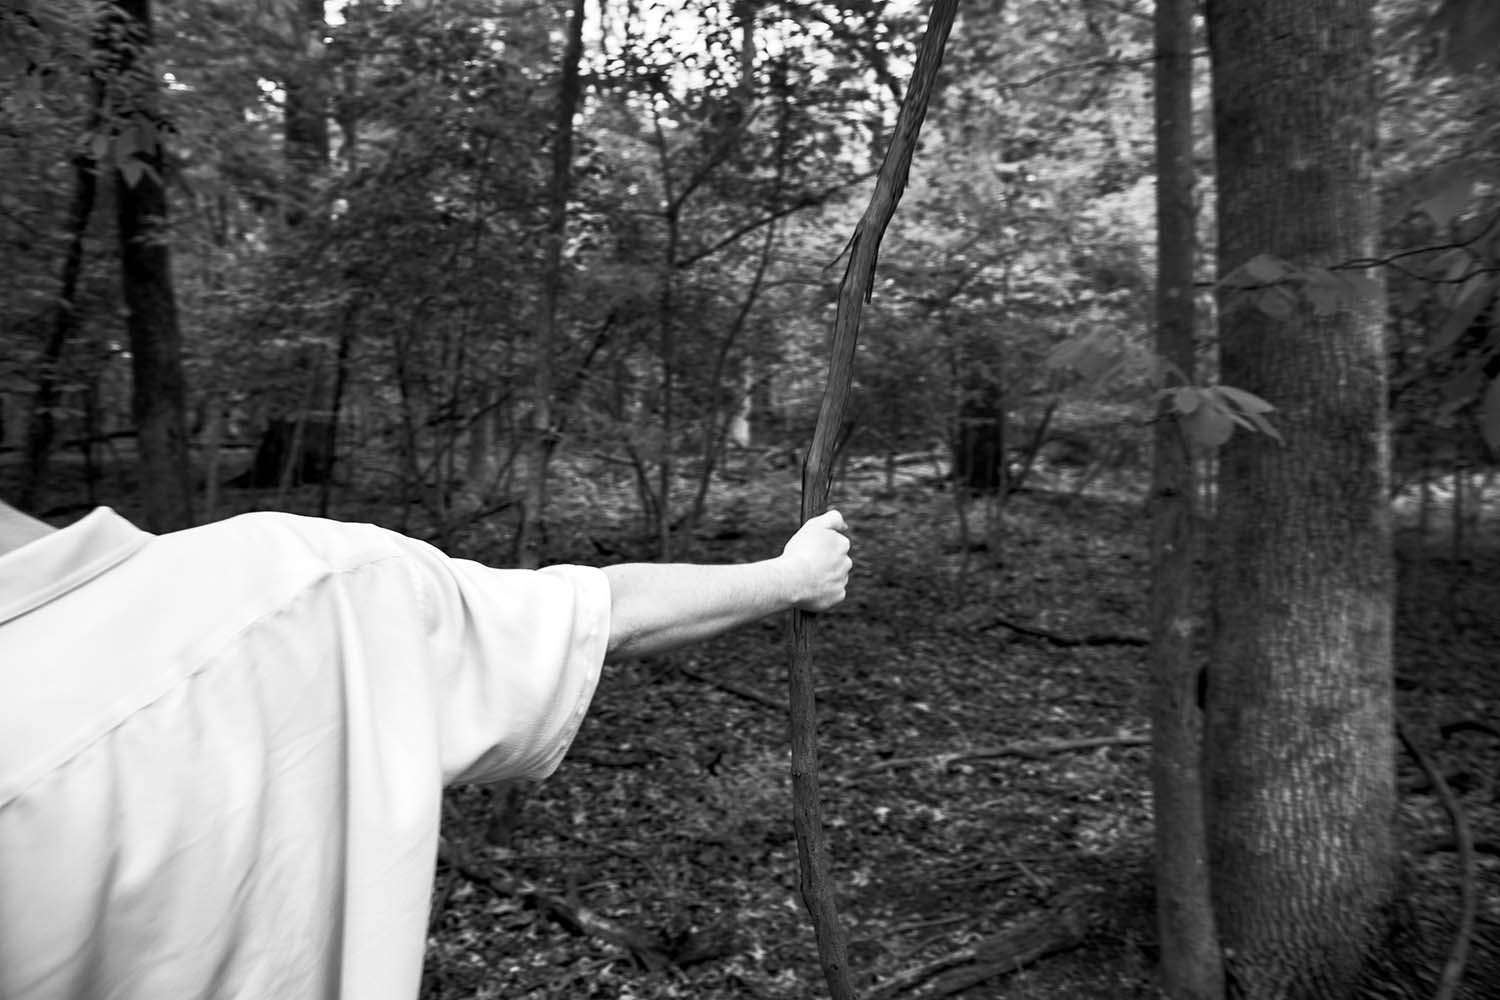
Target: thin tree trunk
{"type": "Point", "coordinates": [1300, 722]}
{"type": "Point", "coordinates": [347, 330]}
{"type": "Point", "coordinates": [1456, 521]}
{"type": "Point", "coordinates": [212, 447]}
{"type": "Point", "coordinates": [1191, 966]}
{"type": "Point", "coordinates": [411, 468]}
{"type": "Point", "coordinates": [160, 392]}
{"type": "Point", "coordinates": [716, 430]}
{"type": "Point", "coordinates": [666, 303]}
{"type": "Point", "coordinates": [531, 533]}
{"type": "Point", "coordinates": [1424, 511]}
{"type": "Point", "coordinates": [305, 122]}
{"type": "Point", "coordinates": [90, 439]}
{"type": "Point", "coordinates": [41, 426]}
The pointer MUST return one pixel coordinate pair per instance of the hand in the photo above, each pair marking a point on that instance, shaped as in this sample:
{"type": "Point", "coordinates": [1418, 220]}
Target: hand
{"type": "Point", "coordinates": [816, 561]}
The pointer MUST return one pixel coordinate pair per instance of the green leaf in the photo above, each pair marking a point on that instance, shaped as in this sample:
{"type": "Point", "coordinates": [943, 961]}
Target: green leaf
{"type": "Point", "coordinates": [1208, 426]}
{"type": "Point", "coordinates": [1452, 197]}
{"type": "Point", "coordinates": [1277, 302]}
{"type": "Point", "coordinates": [1460, 391]}
{"type": "Point", "coordinates": [1265, 427]}
{"type": "Point", "coordinates": [132, 170]}
{"type": "Point", "coordinates": [1266, 269]}
{"type": "Point", "coordinates": [1475, 294]}
{"type": "Point", "coordinates": [1097, 362]}
{"type": "Point", "coordinates": [1470, 32]}
{"type": "Point", "coordinates": [1368, 289]}
{"type": "Point", "coordinates": [1246, 409]}
{"type": "Point", "coordinates": [1326, 291]}
{"type": "Point", "coordinates": [1262, 269]}
{"type": "Point", "coordinates": [1064, 354]}
{"type": "Point", "coordinates": [1452, 268]}
{"type": "Point", "coordinates": [1247, 402]}
{"type": "Point", "coordinates": [1094, 356]}
{"type": "Point", "coordinates": [1186, 399]}
{"type": "Point", "coordinates": [1490, 416]}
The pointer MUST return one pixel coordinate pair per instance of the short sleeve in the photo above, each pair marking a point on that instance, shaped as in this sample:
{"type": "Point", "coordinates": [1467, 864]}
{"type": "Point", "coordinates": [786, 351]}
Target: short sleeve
{"type": "Point", "coordinates": [516, 656]}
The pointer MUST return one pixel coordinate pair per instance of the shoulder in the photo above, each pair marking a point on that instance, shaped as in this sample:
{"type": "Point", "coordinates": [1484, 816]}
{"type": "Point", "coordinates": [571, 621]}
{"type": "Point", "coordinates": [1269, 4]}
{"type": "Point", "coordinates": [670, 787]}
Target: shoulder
{"type": "Point", "coordinates": [269, 536]}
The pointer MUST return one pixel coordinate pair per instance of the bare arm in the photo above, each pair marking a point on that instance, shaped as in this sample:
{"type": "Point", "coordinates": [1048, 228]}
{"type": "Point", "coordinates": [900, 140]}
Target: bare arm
{"type": "Point", "coordinates": [656, 607]}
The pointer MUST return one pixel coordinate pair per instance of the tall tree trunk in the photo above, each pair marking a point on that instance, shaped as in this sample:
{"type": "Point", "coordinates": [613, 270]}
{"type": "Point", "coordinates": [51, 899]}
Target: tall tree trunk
{"type": "Point", "coordinates": [666, 308]}
{"type": "Point", "coordinates": [1299, 747]}
{"type": "Point", "coordinates": [41, 425]}
{"type": "Point", "coordinates": [717, 430]}
{"type": "Point", "coordinates": [348, 326]}
{"type": "Point", "coordinates": [159, 392]}
{"type": "Point", "coordinates": [1191, 967]}
{"type": "Point", "coordinates": [305, 122]}
{"type": "Point", "coordinates": [532, 531]}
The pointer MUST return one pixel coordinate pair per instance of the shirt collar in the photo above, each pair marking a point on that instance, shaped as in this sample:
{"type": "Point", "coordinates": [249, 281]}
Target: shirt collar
{"type": "Point", "coordinates": [44, 570]}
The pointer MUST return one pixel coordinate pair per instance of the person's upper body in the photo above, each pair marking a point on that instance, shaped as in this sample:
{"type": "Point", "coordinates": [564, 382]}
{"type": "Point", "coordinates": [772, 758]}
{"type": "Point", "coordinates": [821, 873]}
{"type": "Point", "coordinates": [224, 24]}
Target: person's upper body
{"type": "Point", "coordinates": [222, 750]}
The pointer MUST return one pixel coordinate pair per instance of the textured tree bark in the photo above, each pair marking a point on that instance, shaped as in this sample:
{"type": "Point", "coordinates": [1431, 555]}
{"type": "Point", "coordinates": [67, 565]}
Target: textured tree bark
{"type": "Point", "coordinates": [1191, 966]}
{"type": "Point", "coordinates": [532, 529]}
{"type": "Point", "coordinates": [305, 122]}
{"type": "Point", "coordinates": [159, 392]}
{"type": "Point", "coordinates": [1299, 751]}
{"type": "Point", "coordinates": [41, 424]}
{"type": "Point", "coordinates": [817, 481]}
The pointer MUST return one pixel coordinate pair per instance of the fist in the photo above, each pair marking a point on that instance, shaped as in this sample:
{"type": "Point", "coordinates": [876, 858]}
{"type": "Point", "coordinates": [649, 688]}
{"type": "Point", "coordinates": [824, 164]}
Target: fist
{"type": "Point", "coordinates": [817, 562]}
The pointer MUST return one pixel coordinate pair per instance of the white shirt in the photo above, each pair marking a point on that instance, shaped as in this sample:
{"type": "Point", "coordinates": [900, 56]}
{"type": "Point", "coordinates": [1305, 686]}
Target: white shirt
{"type": "Point", "coordinates": [222, 750]}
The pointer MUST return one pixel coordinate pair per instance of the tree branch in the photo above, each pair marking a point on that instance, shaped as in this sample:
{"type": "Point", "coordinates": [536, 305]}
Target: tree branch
{"type": "Point", "coordinates": [1063, 925]}
{"type": "Point", "coordinates": [647, 948]}
{"type": "Point", "coordinates": [1030, 750]}
{"type": "Point", "coordinates": [734, 688]}
{"type": "Point", "coordinates": [817, 481]}
{"type": "Point", "coordinates": [1458, 952]}
{"type": "Point", "coordinates": [1056, 639]}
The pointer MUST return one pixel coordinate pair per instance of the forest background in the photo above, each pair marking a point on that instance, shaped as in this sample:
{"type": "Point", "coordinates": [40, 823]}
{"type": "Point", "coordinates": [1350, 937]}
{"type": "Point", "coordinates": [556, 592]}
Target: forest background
{"type": "Point", "coordinates": [556, 281]}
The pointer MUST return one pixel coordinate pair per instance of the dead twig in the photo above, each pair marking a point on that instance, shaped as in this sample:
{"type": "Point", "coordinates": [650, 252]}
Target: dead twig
{"type": "Point", "coordinates": [1033, 750]}
{"type": "Point", "coordinates": [1063, 925]}
{"type": "Point", "coordinates": [1463, 935]}
{"type": "Point", "coordinates": [1440, 845]}
{"type": "Point", "coordinates": [735, 688]}
{"type": "Point", "coordinates": [1056, 639]}
{"type": "Point", "coordinates": [647, 948]}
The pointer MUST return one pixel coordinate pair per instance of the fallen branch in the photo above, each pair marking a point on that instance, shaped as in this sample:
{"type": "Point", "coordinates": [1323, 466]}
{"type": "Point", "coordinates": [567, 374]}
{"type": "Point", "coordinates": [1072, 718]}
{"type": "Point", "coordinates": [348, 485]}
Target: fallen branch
{"type": "Point", "coordinates": [735, 688]}
{"type": "Point", "coordinates": [1467, 726]}
{"type": "Point", "coordinates": [1458, 952]}
{"type": "Point", "coordinates": [1047, 635]}
{"type": "Point", "coordinates": [1442, 845]}
{"type": "Point", "coordinates": [647, 948]}
{"type": "Point", "coordinates": [1028, 750]}
{"type": "Point", "coordinates": [1062, 926]}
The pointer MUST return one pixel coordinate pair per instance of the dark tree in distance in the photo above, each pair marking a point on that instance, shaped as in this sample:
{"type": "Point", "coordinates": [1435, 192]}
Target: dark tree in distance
{"type": "Point", "coordinates": [305, 121]}
{"type": "Point", "coordinates": [1191, 967]}
{"type": "Point", "coordinates": [1299, 746]}
{"type": "Point", "coordinates": [41, 424]}
{"type": "Point", "coordinates": [531, 532]}
{"type": "Point", "coordinates": [159, 392]}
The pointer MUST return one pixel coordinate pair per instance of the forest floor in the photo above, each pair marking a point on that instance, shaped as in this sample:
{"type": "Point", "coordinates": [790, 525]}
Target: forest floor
{"type": "Point", "coordinates": [985, 785]}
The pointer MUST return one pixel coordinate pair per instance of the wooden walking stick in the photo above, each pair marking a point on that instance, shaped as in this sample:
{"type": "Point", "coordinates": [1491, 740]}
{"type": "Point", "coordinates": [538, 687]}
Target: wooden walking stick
{"type": "Point", "coordinates": [817, 481]}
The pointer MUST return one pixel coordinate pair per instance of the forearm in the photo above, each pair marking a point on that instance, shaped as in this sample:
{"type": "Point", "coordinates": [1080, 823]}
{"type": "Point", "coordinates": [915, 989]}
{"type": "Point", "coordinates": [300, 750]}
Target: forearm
{"type": "Point", "coordinates": [657, 607]}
